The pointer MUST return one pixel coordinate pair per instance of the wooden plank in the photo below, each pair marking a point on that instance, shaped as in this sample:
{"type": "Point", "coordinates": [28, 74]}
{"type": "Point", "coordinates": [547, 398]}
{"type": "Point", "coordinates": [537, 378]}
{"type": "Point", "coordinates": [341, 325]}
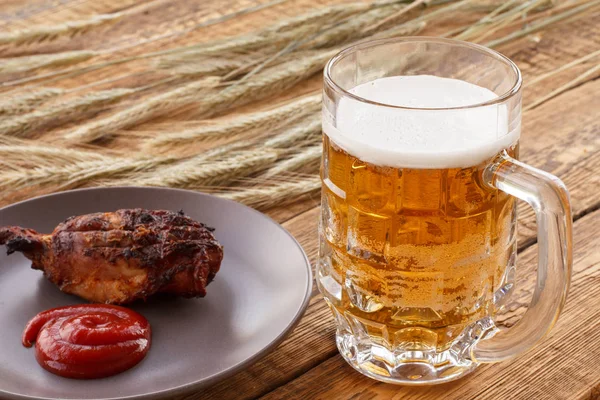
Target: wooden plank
{"type": "Point", "coordinates": [316, 330]}
{"type": "Point", "coordinates": [553, 48]}
{"type": "Point", "coordinates": [562, 366]}
{"type": "Point", "coordinates": [550, 142]}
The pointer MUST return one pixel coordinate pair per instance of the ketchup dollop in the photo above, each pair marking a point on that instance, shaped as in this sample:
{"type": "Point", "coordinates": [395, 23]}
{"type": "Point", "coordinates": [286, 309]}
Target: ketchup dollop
{"type": "Point", "coordinates": [88, 341]}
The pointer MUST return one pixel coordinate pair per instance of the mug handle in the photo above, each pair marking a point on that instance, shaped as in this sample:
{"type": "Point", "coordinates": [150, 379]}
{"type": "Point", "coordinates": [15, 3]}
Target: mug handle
{"type": "Point", "coordinates": [548, 197]}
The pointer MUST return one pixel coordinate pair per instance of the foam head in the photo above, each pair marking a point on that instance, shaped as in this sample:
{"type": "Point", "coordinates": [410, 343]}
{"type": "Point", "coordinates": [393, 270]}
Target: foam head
{"type": "Point", "coordinates": [423, 135]}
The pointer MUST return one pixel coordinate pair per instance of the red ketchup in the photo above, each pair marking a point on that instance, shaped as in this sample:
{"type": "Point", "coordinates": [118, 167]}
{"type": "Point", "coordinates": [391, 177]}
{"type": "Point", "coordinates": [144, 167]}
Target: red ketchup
{"type": "Point", "coordinates": [88, 341]}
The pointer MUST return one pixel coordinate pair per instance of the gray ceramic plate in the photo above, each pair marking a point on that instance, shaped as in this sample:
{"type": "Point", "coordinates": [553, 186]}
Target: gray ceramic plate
{"type": "Point", "coordinates": [259, 294]}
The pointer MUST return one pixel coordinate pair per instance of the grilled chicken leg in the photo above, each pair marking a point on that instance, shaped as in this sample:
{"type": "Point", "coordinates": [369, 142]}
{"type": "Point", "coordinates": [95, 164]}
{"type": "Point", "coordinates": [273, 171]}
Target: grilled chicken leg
{"type": "Point", "coordinates": [123, 256]}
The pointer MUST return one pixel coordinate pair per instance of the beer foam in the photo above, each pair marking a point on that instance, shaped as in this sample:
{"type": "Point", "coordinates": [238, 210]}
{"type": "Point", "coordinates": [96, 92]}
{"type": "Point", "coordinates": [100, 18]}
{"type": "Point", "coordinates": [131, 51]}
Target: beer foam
{"type": "Point", "coordinates": [421, 138]}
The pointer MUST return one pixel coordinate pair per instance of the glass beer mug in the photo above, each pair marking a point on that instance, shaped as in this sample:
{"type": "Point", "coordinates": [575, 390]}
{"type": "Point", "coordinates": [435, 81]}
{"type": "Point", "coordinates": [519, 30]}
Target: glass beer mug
{"type": "Point", "coordinates": [420, 175]}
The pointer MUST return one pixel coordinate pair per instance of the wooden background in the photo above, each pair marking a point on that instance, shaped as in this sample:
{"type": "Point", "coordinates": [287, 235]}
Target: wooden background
{"type": "Point", "coordinates": [561, 136]}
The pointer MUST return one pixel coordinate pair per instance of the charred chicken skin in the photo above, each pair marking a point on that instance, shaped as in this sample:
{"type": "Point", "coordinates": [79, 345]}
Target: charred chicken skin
{"type": "Point", "coordinates": [122, 256]}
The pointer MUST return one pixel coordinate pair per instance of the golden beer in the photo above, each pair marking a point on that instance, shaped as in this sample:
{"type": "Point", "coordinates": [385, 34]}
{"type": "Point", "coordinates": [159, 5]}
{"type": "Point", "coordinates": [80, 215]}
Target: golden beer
{"type": "Point", "coordinates": [410, 257]}
{"type": "Point", "coordinates": [420, 174]}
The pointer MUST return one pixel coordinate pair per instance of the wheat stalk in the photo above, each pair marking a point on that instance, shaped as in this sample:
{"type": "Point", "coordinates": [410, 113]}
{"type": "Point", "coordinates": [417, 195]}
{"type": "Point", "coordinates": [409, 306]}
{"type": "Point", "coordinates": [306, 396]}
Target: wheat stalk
{"type": "Point", "coordinates": [562, 68]}
{"type": "Point", "coordinates": [193, 65]}
{"type": "Point", "coordinates": [187, 64]}
{"type": "Point", "coordinates": [51, 116]}
{"type": "Point", "coordinates": [244, 44]}
{"type": "Point", "coordinates": [198, 171]}
{"type": "Point", "coordinates": [241, 44]}
{"type": "Point", "coordinates": [493, 23]}
{"type": "Point", "coordinates": [77, 174]}
{"type": "Point", "coordinates": [244, 124]}
{"type": "Point", "coordinates": [483, 22]}
{"type": "Point", "coordinates": [16, 152]}
{"type": "Point", "coordinates": [393, 16]}
{"type": "Point", "coordinates": [227, 66]}
{"type": "Point", "coordinates": [580, 79]}
{"type": "Point", "coordinates": [336, 33]}
{"type": "Point", "coordinates": [280, 194]}
{"type": "Point", "coordinates": [213, 21]}
{"type": "Point", "coordinates": [542, 24]}
{"type": "Point", "coordinates": [508, 17]}
{"type": "Point", "coordinates": [52, 32]}
{"type": "Point", "coordinates": [279, 33]}
{"type": "Point", "coordinates": [554, 10]}
{"type": "Point", "coordinates": [282, 31]}
{"type": "Point", "coordinates": [70, 29]}
{"type": "Point", "coordinates": [306, 160]}
{"type": "Point", "coordinates": [402, 30]}
{"type": "Point", "coordinates": [201, 60]}
{"type": "Point", "coordinates": [15, 155]}
{"type": "Point", "coordinates": [350, 29]}
{"type": "Point", "coordinates": [216, 153]}
{"type": "Point", "coordinates": [30, 63]}
{"type": "Point", "coordinates": [305, 131]}
{"type": "Point", "coordinates": [150, 108]}
{"type": "Point", "coordinates": [269, 82]}
{"type": "Point", "coordinates": [442, 11]}
{"type": "Point", "coordinates": [323, 15]}
{"type": "Point", "coordinates": [21, 103]}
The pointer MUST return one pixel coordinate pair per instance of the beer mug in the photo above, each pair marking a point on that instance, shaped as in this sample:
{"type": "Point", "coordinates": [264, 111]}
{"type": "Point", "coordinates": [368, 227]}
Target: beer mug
{"type": "Point", "coordinates": [420, 175]}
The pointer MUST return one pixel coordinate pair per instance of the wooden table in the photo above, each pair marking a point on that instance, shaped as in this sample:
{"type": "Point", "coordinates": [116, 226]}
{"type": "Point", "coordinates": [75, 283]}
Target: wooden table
{"type": "Point", "coordinates": [561, 136]}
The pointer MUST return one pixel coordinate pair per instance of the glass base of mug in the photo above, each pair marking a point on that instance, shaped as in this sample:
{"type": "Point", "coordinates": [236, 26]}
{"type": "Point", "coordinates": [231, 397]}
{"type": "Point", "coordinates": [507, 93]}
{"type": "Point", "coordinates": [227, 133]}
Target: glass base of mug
{"type": "Point", "coordinates": [417, 368]}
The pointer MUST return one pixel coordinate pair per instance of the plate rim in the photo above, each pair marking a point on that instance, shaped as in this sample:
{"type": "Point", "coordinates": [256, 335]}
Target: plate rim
{"type": "Point", "coordinates": [199, 384]}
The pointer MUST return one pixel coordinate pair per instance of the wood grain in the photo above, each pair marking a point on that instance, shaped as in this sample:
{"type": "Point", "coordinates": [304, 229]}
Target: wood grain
{"type": "Point", "coordinates": [566, 147]}
{"type": "Point", "coordinates": [561, 136]}
{"type": "Point", "coordinates": [564, 365]}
